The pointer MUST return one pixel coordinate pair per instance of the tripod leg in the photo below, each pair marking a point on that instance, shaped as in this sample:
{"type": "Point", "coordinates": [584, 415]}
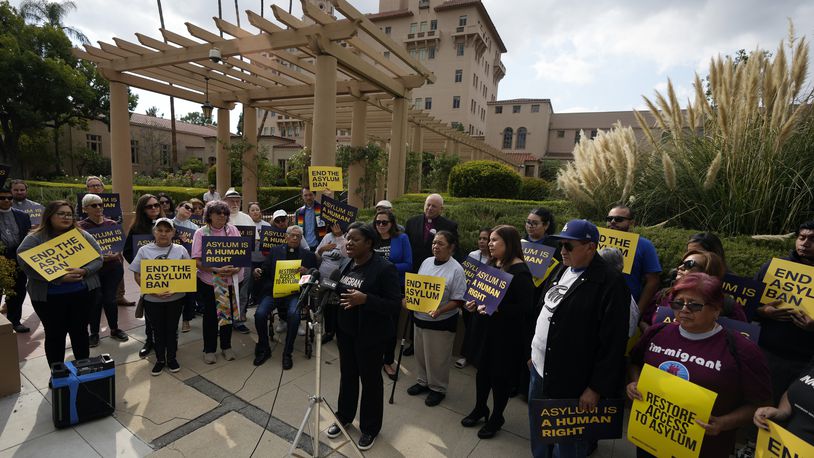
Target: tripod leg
{"type": "Point", "coordinates": [293, 447]}
{"type": "Point", "coordinates": [407, 324]}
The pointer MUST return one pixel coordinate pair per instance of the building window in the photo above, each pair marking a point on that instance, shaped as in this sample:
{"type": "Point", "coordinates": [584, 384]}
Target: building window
{"type": "Point", "coordinates": [165, 155]}
{"type": "Point", "coordinates": [461, 21]}
{"type": "Point", "coordinates": [387, 54]}
{"type": "Point", "coordinates": [459, 76]}
{"type": "Point", "coordinates": [413, 27]}
{"type": "Point", "coordinates": [423, 26]}
{"type": "Point", "coordinates": [472, 106]}
{"type": "Point", "coordinates": [417, 103]}
{"type": "Point", "coordinates": [515, 108]}
{"type": "Point", "coordinates": [508, 135]}
{"type": "Point", "coordinates": [134, 151]}
{"type": "Point", "coordinates": [535, 108]}
{"type": "Point", "coordinates": [387, 30]}
{"type": "Point", "coordinates": [281, 163]}
{"type": "Point", "coordinates": [422, 54]}
{"type": "Point", "coordinates": [593, 134]}
{"type": "Point", "coordinates": [521, 138]}
{"type": "Point", "coordinates": [456, 101]}
{"type": "Point", "coordinates": [428, 103]}
{"type": "Point", "coordinates": [498, 109]}
{"type": "Point", "coordinates": [434, 24]}
{"type": "Point", "coordinates": [94, 142]}
{"type": "Point", "coordinates": [431, 52]}
{"type": "Point", "coordinates": [460, 49]}
{"type": "Point", "coordinates": [560, 134]}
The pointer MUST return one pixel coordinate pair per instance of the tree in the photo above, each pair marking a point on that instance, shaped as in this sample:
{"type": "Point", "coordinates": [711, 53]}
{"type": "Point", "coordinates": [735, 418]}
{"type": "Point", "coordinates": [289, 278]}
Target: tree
{"type": "Point", "coordinates": [196, 117]}
{"type": "Point", "coordinates": [52, 13]}
{"type": "Point", "coordinates": [152, 111]}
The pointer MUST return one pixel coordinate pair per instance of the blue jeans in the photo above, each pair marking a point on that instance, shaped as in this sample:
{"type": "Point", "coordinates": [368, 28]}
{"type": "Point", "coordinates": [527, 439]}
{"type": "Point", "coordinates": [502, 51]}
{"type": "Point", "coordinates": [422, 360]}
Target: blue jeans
{"type": "Point", "coordinates": [261, 320]}
{"type": "Point", "coordinates": [566, 450]}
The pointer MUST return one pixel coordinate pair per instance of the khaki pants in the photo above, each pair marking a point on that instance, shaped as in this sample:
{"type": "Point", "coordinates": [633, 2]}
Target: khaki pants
{"type": "Point", "coordinates": [433, 353]}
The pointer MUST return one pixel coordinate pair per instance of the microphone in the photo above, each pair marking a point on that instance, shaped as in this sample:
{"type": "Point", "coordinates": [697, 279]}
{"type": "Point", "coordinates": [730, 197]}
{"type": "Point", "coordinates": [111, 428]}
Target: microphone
{"type": "Point", "coordinates": [328, 287]}
{"type": "Point", "coordinates": [307, 283]}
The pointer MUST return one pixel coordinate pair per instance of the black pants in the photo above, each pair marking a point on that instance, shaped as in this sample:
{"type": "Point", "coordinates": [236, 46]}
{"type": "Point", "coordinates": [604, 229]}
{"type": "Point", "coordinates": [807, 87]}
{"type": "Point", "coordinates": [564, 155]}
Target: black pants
{"type": "Point", "coordinates": [189, 306]}
{"type": "Point", "coordinates": [360, 360]}
{"type": "Point", "coordinates": [62, 315]}
{"type": "Point", "coordinates": [105, 299]}
{"type": "Point", "coordinates": [783, 371]}
{"type": "Point", "coordinates": [164, 316]}
{"type": "Point", "coordinates": [14, 303]}
{"type": "Point", "coordinates": [211, 330]}
{"type": "Point", "coordinates": [491, 378]}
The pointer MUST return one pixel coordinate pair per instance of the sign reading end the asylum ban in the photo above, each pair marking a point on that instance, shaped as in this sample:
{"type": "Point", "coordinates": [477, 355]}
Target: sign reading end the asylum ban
{"type": "Point", "coordinates": [220, 251]}
{"type": "Point", "coordinates": [52, 258]}
{"type": "Point", "coordinates": [486, 285]}
{"type": "Point", "coordinates": [562, 420]}
{"type": "Point", "coordinates": [538, 257]}
{"type": "Point", "coordinates": [334, 211]}
{"type": "Point", "coordinates": [626, 242]}
{"type": "Point", "coordinates": [423, 293]}
{"type": "Point", "coordinates": [168, 275]}
{"type": "Point", "coordinates": [322, 178]}
{"type": "Point", "coordinates": [779, 442]}
{"type": "Point", "coordinates": [791, 283]}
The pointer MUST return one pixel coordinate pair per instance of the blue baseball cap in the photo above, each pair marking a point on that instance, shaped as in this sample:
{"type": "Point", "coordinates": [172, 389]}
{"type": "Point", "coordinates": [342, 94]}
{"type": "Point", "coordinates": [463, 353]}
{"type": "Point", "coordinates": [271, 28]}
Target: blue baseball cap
{"type": "Point", "coordinates": [579, 229]}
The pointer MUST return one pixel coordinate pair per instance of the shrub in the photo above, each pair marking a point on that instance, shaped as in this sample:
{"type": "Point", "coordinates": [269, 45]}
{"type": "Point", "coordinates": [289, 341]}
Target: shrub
{"type": "Point", "coordinates": [193, 164]}
{"type": "Point", "coordinates": [440, 167]}
{"type": "Point", "coordinates": [534, 189]}
{"type": "Point", "coordinates": [484, 179]}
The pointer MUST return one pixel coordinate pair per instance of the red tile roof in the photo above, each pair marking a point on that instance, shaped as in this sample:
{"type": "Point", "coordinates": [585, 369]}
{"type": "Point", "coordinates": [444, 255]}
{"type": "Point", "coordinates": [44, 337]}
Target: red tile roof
{"type": "Point", "coordinates": [165, 124]}
{"type": "Point", "coordinates": [522, 157]}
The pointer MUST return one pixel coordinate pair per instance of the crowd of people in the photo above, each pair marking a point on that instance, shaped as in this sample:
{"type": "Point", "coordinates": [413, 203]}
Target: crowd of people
{"type": "Point", "coordinates": [563, 336]}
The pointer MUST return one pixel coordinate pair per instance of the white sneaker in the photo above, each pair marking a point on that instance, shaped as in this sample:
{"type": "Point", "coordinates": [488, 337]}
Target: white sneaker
{"type": "Point", "coordinates": [280, 327]}
{"type": "Point", "coordinates": [460, 363]}
{"type": "Point", "coordinates": [210, 358]}
{"type": "Point", "coordinates": [228, 354]}
{"type": "Point", "coordinates": [301, 330]}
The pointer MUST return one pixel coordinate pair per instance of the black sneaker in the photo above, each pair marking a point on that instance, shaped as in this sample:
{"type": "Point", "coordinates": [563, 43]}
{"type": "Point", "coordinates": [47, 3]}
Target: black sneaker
{"type": "Point", "coordinates": [417, 389]}
{"type": "Point", "coordinates": [93, 340]}
{"type": "Point", "coordinates": [334, 431]}
{"type": "Point", "coordinates": [146, 349]}
{"type": "Point", "coordinates": [241, 328]}
{"type": "Point", "coordinates": [434, 398]}
{"type": "Point", "coordinates": [288, 363]}
{"type": "Point", "coordinates": [158, 368]}
{"type": "Point", "coordinates": [366, 441]}
{"type": "Point", "coordinates": [20, 329]}
{"type": "Point", "coordinates": [409, 351]}
{"type": "Point", "coordinates": [261, 355]}
{"type": "Point", "coordinates": [173, 365]}
{"type": "Point", "coordinates": [118, 334]}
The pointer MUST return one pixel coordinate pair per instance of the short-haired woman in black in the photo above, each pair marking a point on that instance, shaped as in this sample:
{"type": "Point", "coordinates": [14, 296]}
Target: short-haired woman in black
{"type": "Point", "coordinates": [497, 338]}
{"type": "Point", "coordinates": [370, 294]}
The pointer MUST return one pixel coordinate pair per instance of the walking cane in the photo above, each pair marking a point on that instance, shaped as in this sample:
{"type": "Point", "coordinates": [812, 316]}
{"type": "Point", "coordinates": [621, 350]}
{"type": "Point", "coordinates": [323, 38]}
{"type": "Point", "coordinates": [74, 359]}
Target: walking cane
{"type": "Point", "coordinates": [407, 323]}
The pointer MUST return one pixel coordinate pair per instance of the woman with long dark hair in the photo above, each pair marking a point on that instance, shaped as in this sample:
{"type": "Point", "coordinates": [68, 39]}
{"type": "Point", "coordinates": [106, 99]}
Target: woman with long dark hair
{"type": "Point", "coordinates": [498, 342]}
{"type": "Point", "coordinates": [148, 209]}
{"type": "Point", "coordinates": [370, 294]}
{"type": "Point", "coordinates": [62, 304]}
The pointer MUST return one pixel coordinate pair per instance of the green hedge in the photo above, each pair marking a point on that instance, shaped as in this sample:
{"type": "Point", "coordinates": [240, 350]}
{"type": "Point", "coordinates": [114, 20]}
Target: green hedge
{"type": "Point", "coordinates": [44, 192]}
{"type": "Point", "coordinates": [484, 179]}
{"type": "Point", "coordinates": [535, 189]}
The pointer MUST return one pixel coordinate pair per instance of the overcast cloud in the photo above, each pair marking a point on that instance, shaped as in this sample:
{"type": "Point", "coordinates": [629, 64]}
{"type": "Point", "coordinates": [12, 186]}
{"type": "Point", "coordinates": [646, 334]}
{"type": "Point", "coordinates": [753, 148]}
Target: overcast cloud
{"type": "Point", "coordinates": [583, 55]}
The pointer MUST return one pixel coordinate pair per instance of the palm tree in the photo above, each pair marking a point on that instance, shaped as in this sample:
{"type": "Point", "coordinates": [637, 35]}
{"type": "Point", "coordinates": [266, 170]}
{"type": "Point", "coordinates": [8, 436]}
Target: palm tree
{"type": "Point", "coordinates": [52, 13]}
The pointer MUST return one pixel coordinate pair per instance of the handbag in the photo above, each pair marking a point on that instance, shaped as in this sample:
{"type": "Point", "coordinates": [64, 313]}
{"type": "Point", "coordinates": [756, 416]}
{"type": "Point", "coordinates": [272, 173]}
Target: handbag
{"type": "Point", "coordinates": [139, 313]}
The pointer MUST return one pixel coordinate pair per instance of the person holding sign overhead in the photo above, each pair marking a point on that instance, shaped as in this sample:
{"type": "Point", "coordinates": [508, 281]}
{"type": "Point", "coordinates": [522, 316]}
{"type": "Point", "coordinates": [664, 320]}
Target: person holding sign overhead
{"type": "Point", "coordinates": [435, 330]}
{"type": "Point", "coordinates": [62, 304]}
{"type": "Point", "coordinates": [162, 309]}
{"type": "Point", "coordinates": [216, 291]}
{"type": "Point", "coordinates": [787, 334]}
{"type": "Point", "coordinates": [498, 337]}
{"type": "Point", "coordinates": [110, 275]}
{"type": "Point", "coordinates": [370, 292]}
{"type": "Point", "coordinates": [696, 348]}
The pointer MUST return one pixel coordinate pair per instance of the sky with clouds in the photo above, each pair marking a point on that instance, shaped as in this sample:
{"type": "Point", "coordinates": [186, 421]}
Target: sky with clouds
{"type": "Point", "coordinates": [599, 55]}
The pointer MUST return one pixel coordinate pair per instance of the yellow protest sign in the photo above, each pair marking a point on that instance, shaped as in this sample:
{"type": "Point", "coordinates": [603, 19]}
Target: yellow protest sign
{"type": "Point", "coordinates": [286, 277]}
{"type": "Point", "coordinates": [778, 442]}
{"type": "Point", "coordinates": [791, 283]}
{"type": "Point", "coordinates": [51, 258]}
{"type": "Point", "coordinates": [663, 422]}
{"type": "Point", "coordinates": [168, 275]}
{"type": "Point", "coordinates": [322, 178]}
{"type": "Point", "coordinates": [626, 242]}
{"type": "Point", "coordinates": [423, 293]}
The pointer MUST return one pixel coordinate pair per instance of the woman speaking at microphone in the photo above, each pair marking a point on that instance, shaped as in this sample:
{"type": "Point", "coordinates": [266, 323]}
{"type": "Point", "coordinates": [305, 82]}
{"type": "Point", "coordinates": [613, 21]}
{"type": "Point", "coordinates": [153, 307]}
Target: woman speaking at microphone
{"type": "Point", "coordinates": [369, 296]}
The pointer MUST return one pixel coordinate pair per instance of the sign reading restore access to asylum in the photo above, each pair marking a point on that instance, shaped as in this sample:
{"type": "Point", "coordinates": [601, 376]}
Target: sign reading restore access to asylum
{"type": "Point", "coordinates": [562, 420]}
{"type": "Point", "coordinates": [52, 258]}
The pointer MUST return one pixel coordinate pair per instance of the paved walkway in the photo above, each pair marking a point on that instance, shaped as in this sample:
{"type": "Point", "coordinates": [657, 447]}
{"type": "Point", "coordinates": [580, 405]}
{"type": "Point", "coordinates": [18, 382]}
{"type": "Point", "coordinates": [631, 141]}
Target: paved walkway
{"type": "Point", "coordinates": [222, 409]}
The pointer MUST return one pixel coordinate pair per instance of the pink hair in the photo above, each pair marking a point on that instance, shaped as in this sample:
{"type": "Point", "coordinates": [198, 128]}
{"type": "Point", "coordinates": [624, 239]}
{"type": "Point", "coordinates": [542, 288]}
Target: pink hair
{"type": "Point", "coordinates": [706, 285]}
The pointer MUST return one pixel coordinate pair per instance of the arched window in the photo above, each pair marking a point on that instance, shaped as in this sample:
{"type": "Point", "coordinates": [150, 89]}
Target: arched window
{"type": "Point", "coordinates": [521, 138]}
{"type": "Point", "coordinates": [508, 134]}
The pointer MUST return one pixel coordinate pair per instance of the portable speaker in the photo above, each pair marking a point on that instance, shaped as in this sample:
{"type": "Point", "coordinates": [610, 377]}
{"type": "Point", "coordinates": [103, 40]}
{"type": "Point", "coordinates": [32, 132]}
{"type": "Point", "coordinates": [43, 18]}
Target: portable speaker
{"type": "Point", "coordinates": [83, 390]}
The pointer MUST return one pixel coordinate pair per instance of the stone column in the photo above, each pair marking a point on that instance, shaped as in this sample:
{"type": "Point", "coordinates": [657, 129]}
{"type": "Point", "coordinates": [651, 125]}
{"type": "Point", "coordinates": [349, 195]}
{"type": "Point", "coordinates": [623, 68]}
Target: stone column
{"type": "Point", "coordinates": [323, 137]}
{"type": "Point", "coordinates": [223, 174]}
{"type": "Point", "coordinates": [418, 147]}
{"type": "Point", "coordinates": [396, 164]}
{"type": "Point", "coordinates": [249, 162]}
{"type": "Point", "coordinates": [356, 170]}
{"type": "Point", "coordinates": [121, 165]}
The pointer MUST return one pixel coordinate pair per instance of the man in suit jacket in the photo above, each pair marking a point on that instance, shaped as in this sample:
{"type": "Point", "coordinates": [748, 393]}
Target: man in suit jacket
{"type": "Point", "coordinates": [14, 226]}
{"type": "Point", "coordinates": [421, 229]}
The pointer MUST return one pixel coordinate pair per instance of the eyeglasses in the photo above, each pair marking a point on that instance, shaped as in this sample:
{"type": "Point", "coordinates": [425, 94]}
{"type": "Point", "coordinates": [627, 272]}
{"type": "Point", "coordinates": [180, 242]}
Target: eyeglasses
{"type": "Point", "coordinates": [689, 264]}
{"type": "Point", "coordinates": [5, 197]}
{"type": "Point", "coordinates": [165, 202]}
{"type": "Point", "coordinates": [187, 207]}
{"type": "Point", "coordinates": [691, 306]}
{"type": "Point", "coordinates": [616, 219]}
{"type": "Point", "coordinates": [151, 206]}
{"type": "Point", "coordinates": [65, 215]}
{"type": "Point", "coordinates": [95, 205]}
{"type": "Point", "coordinates": [533, 223]}
{"type": "Point", "coordinates": [382, 222]}
{"type": "Point", "coordinates": [96, 185]}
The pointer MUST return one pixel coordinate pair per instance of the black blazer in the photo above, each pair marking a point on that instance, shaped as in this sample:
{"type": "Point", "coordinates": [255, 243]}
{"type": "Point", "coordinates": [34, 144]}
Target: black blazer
{"type": "Point", "coordinates": [23, 228]}
{"type": "Point", "coordinates": [588, 335]}
{"type": "Point", "coordinates": [372, 321]}
{"type": "Point", "coordinates": [422, 249]}
{"type": "Point", "coordinates": [278, 253]}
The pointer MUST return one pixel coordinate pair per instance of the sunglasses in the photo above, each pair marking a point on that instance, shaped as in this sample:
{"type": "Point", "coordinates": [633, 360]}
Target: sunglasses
{"type": "Point", "coordinates": [689, 264]}
{"type": "Point", "coordinates": [165, 202]}
{"type": "Point", "coordinates": [691, 306]}
{"type": "Point", "coordinates": [616, 219]}
{"type": "Point", "coordinates": [95, 205]}
{"type": "Point", "coordinates": [151, 206]}
{"type": "Point", "coordinates": [568, 246]}
{"type": "Point", "coordinates": [382, 222]}
{"type": "Point", "coordinates": [281, 219]}
{"type": "Point", "coordinates": [5, 197]}
{"type": "Point", "coordinates": [187, 207]}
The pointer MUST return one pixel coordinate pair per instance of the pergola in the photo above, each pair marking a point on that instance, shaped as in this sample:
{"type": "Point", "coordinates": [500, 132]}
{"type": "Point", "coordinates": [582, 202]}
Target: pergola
{"type": "Point", "coordinates": [329, 73]}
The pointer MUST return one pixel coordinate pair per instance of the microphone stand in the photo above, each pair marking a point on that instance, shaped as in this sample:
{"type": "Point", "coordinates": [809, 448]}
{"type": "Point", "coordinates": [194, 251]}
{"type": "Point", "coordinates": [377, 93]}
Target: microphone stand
{"type": "Point", "coordinates": [407, 322]}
